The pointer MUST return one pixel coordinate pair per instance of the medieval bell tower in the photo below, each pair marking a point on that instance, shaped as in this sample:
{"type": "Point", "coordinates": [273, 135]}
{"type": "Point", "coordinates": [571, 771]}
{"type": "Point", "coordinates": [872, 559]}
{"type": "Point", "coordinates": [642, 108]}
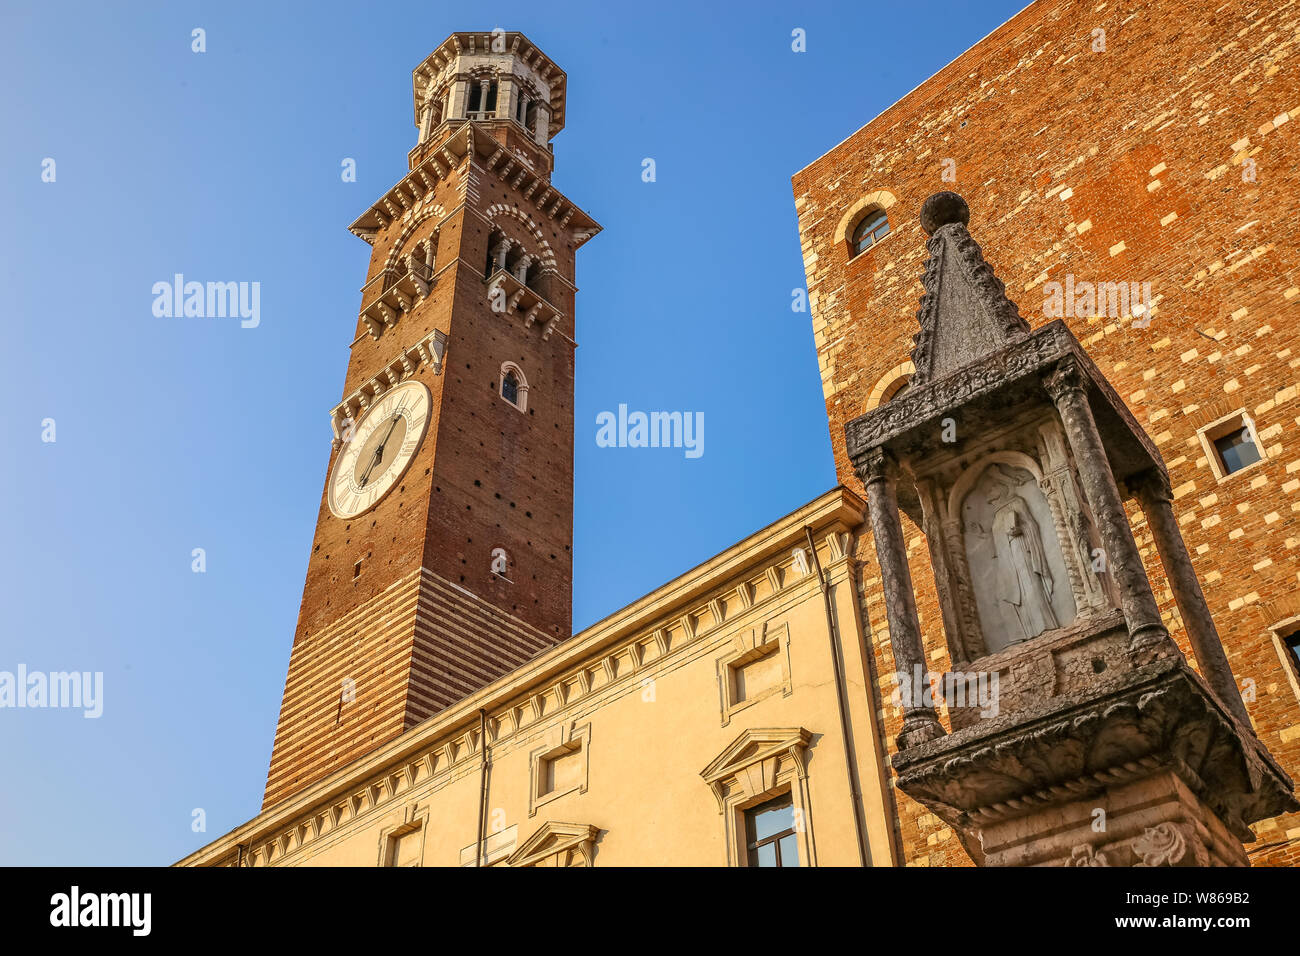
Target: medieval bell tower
{"type": "Point", "coordinates": [441, 558]}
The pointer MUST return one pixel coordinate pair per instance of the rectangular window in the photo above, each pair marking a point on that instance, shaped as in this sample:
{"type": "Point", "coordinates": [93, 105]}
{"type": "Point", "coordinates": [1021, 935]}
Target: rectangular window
{"type": "Point", "coordinates": [406, 848]}
{"type": "Point", "coordinates": [1231, 445]}
{"type": "Point", "coordinates": [756, 670]}
{"type": "Point", "coordinates": [1236, 450]}
{"type": "Point", "coordinates": [559, 767]}
{"type": "Point", "coordinates": [750, 679]}
{"type": "Point", "coordinates": [770, 833]}
{"type": "Point", "coordinates": [1291, 641]}
{"type": "Point", "coordinates": [561, 773]}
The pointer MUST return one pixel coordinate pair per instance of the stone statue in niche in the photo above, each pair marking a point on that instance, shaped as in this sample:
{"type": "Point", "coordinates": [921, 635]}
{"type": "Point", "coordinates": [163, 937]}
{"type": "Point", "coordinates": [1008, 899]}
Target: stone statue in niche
{"type": "Point", "coordinates": [1024, 579]}
{"type": "Point", "coordinates": [1021, 586]}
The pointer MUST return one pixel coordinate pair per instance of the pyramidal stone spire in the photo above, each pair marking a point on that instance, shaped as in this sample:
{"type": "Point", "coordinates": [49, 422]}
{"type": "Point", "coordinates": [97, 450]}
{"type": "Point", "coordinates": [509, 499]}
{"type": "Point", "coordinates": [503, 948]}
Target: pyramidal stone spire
{"type": "Point", "coordinates": [965, 313]}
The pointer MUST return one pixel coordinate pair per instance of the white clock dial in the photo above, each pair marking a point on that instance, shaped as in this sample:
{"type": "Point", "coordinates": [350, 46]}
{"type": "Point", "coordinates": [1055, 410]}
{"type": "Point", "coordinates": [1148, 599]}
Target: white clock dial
{"type": "Point", "coordinates": [381, 448]}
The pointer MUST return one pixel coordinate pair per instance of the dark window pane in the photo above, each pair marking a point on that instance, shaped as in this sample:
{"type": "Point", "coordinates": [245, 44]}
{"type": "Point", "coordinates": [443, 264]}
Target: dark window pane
{"type": "Point", "coordinates": [1236, 450]}
{"type": "Point", "coordinates": [1293, 641]}
{"type": "Point", "coordinates": [789, 850]}
{"type": "Point", "coordinates": [873, 227]}
{"type": "Point", "coordinates": [510, 389]}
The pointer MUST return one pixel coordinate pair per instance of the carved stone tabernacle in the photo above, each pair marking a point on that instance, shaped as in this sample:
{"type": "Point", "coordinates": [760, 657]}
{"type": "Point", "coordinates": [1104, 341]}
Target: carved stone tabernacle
{"type": "Point", "coordinates": [1013, 454]}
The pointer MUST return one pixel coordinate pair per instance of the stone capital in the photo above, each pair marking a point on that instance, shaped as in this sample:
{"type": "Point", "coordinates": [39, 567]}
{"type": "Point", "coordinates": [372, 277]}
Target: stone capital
{"type": "Point", "coordinates": [876, 464]}
{"type": "Point", "coordinates": [1066, 377]}
{"type": "Point", "coordinates": [1152, 485]}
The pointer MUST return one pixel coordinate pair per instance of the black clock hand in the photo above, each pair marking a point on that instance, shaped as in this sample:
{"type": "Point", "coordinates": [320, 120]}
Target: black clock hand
{"type": "Point", "coordinates": [365, 476]}
{"type": "Point", "coordinates": [397, 415]}
{"type": "Point", "coordinates": [379, 451]}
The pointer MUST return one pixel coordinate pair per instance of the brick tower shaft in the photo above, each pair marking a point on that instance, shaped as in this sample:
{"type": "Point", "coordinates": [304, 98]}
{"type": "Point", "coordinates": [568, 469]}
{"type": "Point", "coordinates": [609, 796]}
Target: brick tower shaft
{"type": "Point", "coordinates": [441, 559]}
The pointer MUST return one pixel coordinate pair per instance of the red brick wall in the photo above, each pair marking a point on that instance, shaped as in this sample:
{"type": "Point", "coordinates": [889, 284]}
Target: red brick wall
{"type": "Point", "coordinates": [1122, 164]}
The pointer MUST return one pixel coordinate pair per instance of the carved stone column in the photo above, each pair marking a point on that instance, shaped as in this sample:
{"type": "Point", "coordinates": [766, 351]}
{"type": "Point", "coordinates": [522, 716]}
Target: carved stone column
{"type": "Point", "coordinates": [499, 254]}
{"type": "Point", "coordinates": [1148, 635]}
{"type": "Point", "coordinates": [945, 578]}
{"type": "Point", "coordinates": [1157, 502]}
{"type": "Point", "coordinates": [459, 97]}
{"type": "Point", "coordinates": [877, 472]}
{"type": "Point", "coordinates": [543, 131]}
{"type": "Point", "coordinates": [505, 96]}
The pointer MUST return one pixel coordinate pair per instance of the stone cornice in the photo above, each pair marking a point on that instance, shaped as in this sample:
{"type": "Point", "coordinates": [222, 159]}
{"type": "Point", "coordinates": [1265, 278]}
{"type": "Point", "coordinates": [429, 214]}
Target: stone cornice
{"type": "Point", "coordinates": [515, 295]}
{"type": "Point", "coordinates": [923, 407]}
{"type": "Point", "coordinates": [537, 188]}
{"type": "Point", "coordinates": [552, 838]}
{"type": "Point", "coordinates": [410, 190]}
{"type": "Point", "coordinates": [492, 158]}
{"type": "Point", "coordinates": [1160, 715]}
{"type": "Point", "coordinates": [428, 351]}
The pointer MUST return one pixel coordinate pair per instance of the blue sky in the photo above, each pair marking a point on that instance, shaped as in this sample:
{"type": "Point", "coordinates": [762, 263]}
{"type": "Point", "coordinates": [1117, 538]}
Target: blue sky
{"type": "Point", "coordinates": [176, 434]}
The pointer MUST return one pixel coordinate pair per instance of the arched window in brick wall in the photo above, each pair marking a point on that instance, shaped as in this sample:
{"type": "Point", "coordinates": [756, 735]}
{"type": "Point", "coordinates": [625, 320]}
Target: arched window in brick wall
{"type": "Point", "coordinates": [890, 385]}
{"type": "Point", "coordinates": [865, 222]}
{"type": "Point", "coordinates": [513, 387]}
{"type": "Point", "coordinates": [871, 228]}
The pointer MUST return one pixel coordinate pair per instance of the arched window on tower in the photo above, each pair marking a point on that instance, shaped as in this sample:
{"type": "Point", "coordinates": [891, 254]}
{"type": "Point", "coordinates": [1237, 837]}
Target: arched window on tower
{"type": "Point", "coordinates": [873, 227]}
{"type": "Point", "coordinates": [513, 386]}
{"type": "Point", "coordinates": [482, 98]}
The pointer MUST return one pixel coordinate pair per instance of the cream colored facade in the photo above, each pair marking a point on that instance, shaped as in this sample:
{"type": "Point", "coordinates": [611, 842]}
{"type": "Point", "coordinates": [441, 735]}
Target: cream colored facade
{"type": "Point", "coordinates": [640, 741]}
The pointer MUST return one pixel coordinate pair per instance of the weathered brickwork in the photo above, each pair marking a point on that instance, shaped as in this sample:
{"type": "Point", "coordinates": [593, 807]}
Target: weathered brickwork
{"type": "Point", "coordinates": [1122, 142]}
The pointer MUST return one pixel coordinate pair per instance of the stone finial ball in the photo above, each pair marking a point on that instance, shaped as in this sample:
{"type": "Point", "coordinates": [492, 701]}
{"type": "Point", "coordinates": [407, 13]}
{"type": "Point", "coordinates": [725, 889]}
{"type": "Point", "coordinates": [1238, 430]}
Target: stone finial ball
{"type": "Point", "coordinates": [941, 209]}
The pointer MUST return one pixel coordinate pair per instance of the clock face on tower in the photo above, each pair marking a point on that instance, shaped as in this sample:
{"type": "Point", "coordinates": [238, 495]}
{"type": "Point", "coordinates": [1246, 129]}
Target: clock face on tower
{"type": "Point", "coordinates": [382, 446]}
